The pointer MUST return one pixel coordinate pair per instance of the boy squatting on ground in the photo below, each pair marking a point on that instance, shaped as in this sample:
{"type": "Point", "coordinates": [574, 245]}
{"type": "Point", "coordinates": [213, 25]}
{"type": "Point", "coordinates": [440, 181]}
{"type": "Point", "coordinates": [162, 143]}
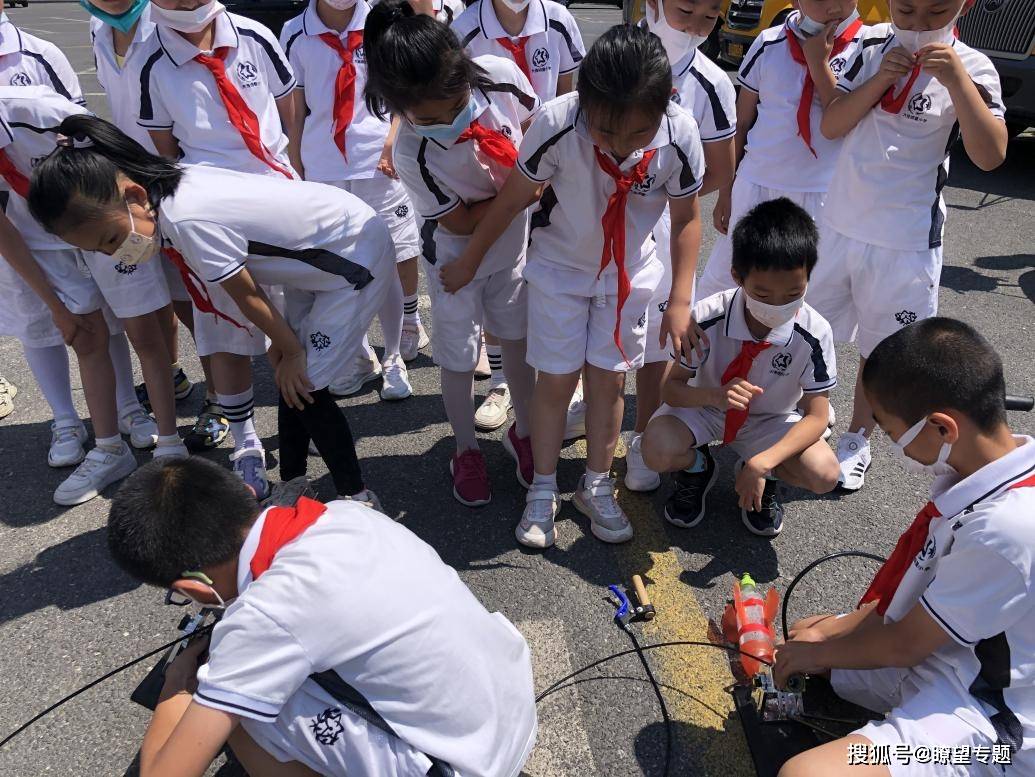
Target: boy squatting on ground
{"type": "Point", "coordinates": [768, 354]}
{"type": "Point", "coordinates": [943, 640]}
{"type": "Point", "coordinates": [337, 589]}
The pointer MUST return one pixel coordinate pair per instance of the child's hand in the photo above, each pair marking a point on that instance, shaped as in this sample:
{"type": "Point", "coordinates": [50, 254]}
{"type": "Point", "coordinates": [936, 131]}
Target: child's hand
{"type": "Point", "coordinates": [796, 658]}
{"type": "Point", "coordinates": [69, 324]}
{"type": "Point", "coordinates": [679, 328]}
{"type": "Point", "coordinates": [721, 213]}
{"type": "Point", "coordinates": [181, 676]}
{"type": "Point", "coordinates": [749, 487]}
{"type": "Point", "coordinates": [818, 47]}
{"type": "Point", "coordinates": [737, 395]}
{"type": "Point", "coordinates": [896, 64]}
{"type": "Point", "coordinates": [455, 276]}
{"type": "Point", "coordinates": [385, 164]}
{"type": "Point", "coordinates": [942, 62]}
{"type": "Point", "coordinates": [293, 380]}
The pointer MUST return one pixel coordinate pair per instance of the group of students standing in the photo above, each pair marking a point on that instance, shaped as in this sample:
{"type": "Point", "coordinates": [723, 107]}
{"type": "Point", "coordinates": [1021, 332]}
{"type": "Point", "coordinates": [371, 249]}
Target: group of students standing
{"type": "Point", "coordinates": [559, 226]}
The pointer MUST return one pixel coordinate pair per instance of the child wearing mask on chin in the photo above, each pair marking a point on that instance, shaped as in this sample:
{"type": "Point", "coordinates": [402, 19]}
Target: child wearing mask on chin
{"type": "Point", "coordinates": [903, 102]}
{"type": "Point", "coordinates": [703, 89]}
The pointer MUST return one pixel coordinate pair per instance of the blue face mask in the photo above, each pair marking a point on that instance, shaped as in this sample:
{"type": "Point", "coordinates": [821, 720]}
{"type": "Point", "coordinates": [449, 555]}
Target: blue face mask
{"type": "Point", "coordinates": [124, 21]}
{"type": "Point", "coordinates": [446, 134]}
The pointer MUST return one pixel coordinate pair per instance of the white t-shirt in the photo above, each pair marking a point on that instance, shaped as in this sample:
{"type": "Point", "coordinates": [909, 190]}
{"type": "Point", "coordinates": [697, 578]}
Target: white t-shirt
{"type": "Point", "coordinates": [316, 67]}
{"type": "Point", "coordinates": [383, 611]}
{"type": "Point", "coordinates": [179, 94]}
{"type": "Point", "coordinates": [29, 116]}
{"type": "Point", "coordinates": [439, 178]}
{"type": "Point", "coordinates": [554, 46]}
{"type": "Point", "coordinates": [703, 89]}
{"type": "Point", "coordinates": [566, 228]}
{"type": "Point", "coordinates": [303, 235]}
{"type": "Point", "coordinates": [122, 82]}
{"type": "Point", "coordinates": [800, 359]}
{"type": "Point", "coordinates": [775, 156]}
{"type": "Point", "coordinates": [887, 187]}
{"type": "Point", "coordinates": [976, 577]}
{"type": "Point", "coordinates": [26, 60]}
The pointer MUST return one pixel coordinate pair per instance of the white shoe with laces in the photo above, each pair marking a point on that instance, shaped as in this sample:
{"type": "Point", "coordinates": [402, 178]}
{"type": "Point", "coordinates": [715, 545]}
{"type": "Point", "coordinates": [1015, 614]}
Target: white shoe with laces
{"type": "Point", "coordinates": [141, 428]}
{"type": "Point", "coordinates": [66, 443]}
{"type": "Point", "coordinates": [99, 469]}
{"type": "Point", "coordinates": [363, 370]}
{"type": "Point", "coordinates": [638, 476]}
{"type": "Point", "coordinates": [396, 379]}
{"type": "Point", "coordinates": [492, 413]}
{"type": "Point", "coordinates": [853, 456]}
{"type": "Point", "coordinates": [575, 422]}
{"type": "Point", "coordinates": [608, 521]}
{"type": "Point", "coordinates": [536, 527]}
{"type": "Point", "coordinates": [413, 339]}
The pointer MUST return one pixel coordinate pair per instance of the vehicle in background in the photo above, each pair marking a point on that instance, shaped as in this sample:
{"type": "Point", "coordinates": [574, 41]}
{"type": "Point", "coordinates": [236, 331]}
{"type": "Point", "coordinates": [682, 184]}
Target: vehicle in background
{"type": "Point", "coordinates": [633, 12]}
{"type": "Point", "coordinates": [272, 13]}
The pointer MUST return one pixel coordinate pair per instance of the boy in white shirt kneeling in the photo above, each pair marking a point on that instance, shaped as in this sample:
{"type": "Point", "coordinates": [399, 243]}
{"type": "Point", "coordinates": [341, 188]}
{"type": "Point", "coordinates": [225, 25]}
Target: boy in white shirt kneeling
{"type": "Point", "coordinates": [768, 354]}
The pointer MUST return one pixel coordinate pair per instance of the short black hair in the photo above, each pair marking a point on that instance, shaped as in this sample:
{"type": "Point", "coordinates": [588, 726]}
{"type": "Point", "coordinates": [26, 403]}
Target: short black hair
{"type": "Point", "coordinates": [178, 514]}
{"type": "Point", "coordinates": [775, 235]}
{"type": "Point", "coordinates": [935, 365]}
{"type": "Point", "coordinates": [625, 69]}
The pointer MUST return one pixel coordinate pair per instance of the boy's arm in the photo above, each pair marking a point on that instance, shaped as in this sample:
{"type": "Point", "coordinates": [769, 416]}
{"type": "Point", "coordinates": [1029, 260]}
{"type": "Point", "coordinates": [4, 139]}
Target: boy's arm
{"type": "Point", "coordinates": [719, 163]}
{"type": "Point", "coordinates": [685, 245]}
{"type": "Point", "coordinates": [747, 113]}
{"type": "Point", "coordinates": [735, 395]}
{"type": "Point", "coordinates": [845, 111]}
{"type": "Point", "coordinates": [802, 435]}
{"type": "Point", "coordinates": [165, 143]}
{"type": "Point", "coordinates": [817, 55]}
{"type": "Point", "coordinates": [294, 123]}
{"type": "Point", "coordinates": [464, 218]}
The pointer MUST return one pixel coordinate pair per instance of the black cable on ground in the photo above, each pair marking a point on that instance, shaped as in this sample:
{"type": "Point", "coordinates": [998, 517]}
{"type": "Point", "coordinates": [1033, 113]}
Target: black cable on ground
{"type": "Point", "coordinates": [798, 578]}
{"type": "Point", "coordinates": [657, 692]}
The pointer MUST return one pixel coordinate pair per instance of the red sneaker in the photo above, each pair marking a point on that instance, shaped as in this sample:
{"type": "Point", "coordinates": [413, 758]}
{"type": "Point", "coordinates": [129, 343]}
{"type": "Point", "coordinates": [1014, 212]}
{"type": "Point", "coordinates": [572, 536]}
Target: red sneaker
{"type": "Point", "coordinates": [470, 478]}
{"type": "Point", "coordinates": [520, 449]}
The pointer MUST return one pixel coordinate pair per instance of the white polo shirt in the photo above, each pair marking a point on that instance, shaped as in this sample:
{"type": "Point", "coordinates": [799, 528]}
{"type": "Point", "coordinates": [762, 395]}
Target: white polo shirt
{"type": "Point", "coordinates": [976, 577]}
{"type": "Point", "coordinates": [554, 46]}
{"type": "Point", "coordinates": [775, 156]}
{"type": "Point", "coordinates": [303, 235]}
{"type": "Point", "coordinates": [26, 60]}
{"type": "Point", "coordinates": [179, 94]}
{"type": "Point", "coordinates": [800, 359]}
{"type": "Point", "coordinates": [382, 610]}
{"type": "Point", "coordinates": [447, 11]}
{"type": "Point", "coordinates": [704, 90]}
{"type": "Point", "coordinates": [887, 187]}
{"type": "Point", "coordinates": [316, 67]}
{"type": "Point", "coordinates": [29, 116]}
{"type": "Point", "coordinates": [122, 82]}
{"type": "Point", "coordinates": [566, 228]}
{"type": "Point", "coordinates": [439, 178]}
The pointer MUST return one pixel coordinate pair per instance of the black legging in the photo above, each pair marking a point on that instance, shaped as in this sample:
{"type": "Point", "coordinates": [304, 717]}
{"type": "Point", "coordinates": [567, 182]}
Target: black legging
{"type": "Point", "coordinates": [324, 424]}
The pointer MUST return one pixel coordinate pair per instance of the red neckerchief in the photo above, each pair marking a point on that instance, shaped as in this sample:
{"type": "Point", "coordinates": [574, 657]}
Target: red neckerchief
{"type": "Point", "coordinates": [739, 368]}
{"type": "Point", "coordinates": [493, 143]}
{"type": "Point", "coordinates": [344, 83]}
{"type": "Point", "coordinates": [282, 525]}
{"type": "Point", "coordinates": [892, 104]}
{"type": "Point", "coordinates": [241, 115]}
{"type": "Point", "coordinates": [18, 182]}
{"type": "Point", "coordinates": [195, 286]}
{"type": "Point", "coordinates": [809, 87]}
{"type": "Point", "coordinates": [517, 51]}
{"type": "Point", "coordinates": [885, 583]}
{"type": "Point", "coordinates": [613, 222]}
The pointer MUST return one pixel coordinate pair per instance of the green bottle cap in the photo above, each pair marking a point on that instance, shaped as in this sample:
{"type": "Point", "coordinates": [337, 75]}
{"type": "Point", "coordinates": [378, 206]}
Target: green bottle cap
{"type": "Point", "coordinates": [747, 581]}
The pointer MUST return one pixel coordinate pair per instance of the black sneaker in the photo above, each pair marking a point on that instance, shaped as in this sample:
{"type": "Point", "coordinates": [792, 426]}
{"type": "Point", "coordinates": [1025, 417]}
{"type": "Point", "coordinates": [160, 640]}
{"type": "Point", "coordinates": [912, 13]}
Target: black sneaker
{"type": "Point", "coordinates": [686, 507]}
{"type": "Point", "coordinates": [141, 390]}
{"type": "Point", "coordinates": [209, 430]}
{"type": "Point", "coordinates": [768, 521]}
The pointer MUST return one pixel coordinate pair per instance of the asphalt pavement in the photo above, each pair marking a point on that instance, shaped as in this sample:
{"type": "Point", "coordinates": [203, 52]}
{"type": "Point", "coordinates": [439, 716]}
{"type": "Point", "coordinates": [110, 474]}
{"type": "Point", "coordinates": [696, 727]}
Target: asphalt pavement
{"type": "Point", "coordinates": [68, 615]}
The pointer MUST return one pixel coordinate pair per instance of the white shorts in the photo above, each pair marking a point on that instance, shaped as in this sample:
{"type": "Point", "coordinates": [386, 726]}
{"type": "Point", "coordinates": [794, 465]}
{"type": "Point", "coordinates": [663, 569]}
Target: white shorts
{"type": "Point", "coordinates": [663, 247]}
{"type": "Point", "coordinates": [746, 195]}
{"type": "Point", "coordinates": [567, 329]}
{"type": "Point", "coordinates": [498, 302]}
{"type": "Point", "coordinates": [331, 324]}
{"type": "Point", "coordinates": [759, 433]}
{"type": "Point", "coordinates": [918, 715]}
{"type": "Point", "coordinates": [130, 290]}
{"type": "Point", "coordinates": [867, 292]}
{"type": "Point", "coordinates": [388, 197]}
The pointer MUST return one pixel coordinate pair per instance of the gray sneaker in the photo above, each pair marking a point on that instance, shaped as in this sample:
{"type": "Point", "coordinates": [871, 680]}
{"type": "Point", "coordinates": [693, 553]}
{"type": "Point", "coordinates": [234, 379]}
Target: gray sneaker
{"type": "Point", "coordinates": [364, 369]}
{"type": "Point", "coordinates": [536, 529]}
{"type": "Point", "coordinates": [368, 498]}
{"type": "Point", "coordinates": [607, 519]}
{"type": "Point", "coordinates": [98, 470]}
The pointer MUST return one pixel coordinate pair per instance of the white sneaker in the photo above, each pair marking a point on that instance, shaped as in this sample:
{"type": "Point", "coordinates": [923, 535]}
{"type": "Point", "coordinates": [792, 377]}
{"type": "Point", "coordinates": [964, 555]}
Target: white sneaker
{"type": "Point", "coordinates": [482, 368]}
{"type": "Point", "coordinates": [396, 379]}
{"type": "Point", "coordinates": [492, 413]}
{"type": "Point", "coordinates": [536, 528]}
{"type": "Point", "coordinates": [364, 370]}
{"type": "Point", "coordinates": [99, 469]}
{"type": "Point", "coordinates": [66, 443]}
{"type": "Point", "coordinates": [608, 521]}
{"type": "Point", "coordinates": [575, 423]}
{"type": "Point", "coordinates": [8, 391]}
{"type": "Point", "coordinates": [638, 476]}
{"type": "Point", "coordinates": [141, 428]}
{"type": "Point", "coordinates": [368, 498]}
{"type": "Point", "coordinates": [413, 339]}
{"type": "Point", "coordinates": [853, 455]}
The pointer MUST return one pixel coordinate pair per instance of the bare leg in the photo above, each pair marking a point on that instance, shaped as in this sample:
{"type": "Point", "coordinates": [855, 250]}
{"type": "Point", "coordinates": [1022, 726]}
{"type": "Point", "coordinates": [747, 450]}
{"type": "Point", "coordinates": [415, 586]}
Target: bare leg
{"type": "Point", "coordinates": [814, 469]}
{"type": "Point", "coordinates": [649, 380]}
{"type": "Point", "coordinates": [862, 412]}
{"type": "Point", "coordinates": [148, 339]}
{"type": "Point", "coordinates": [409, 275]}
{"type": "Point", "coordinates": [833, 760]}
{"type": "Point", "coordinates": [549, 408]}
{"type": "Point", "coordinates": [258, 763]}
{"type": "Point", "coordinates": [521, 379]}
{"type": "Point", "coordinates": [605, 403]}
{"type": "Point", "coordinates": [231, 373]}
{"type": "Point", "coordinates": [167, 322]}
{"type": "Point", "coordinates": [668, 445]}
{"type": "Point", "coordinates": [98, 375]}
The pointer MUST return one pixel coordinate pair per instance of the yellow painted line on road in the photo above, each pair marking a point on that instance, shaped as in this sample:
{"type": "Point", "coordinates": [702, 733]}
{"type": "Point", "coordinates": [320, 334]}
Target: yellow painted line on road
{"type": "Point", "coordinates": [710, 730]}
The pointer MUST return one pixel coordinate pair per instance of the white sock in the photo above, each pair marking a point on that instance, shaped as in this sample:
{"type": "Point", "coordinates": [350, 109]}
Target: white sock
{"type": "Point", "coordinates": [168, 445]}
{"type": "Point", "coordinates": [110, 444]}
{"type": "Point", "coordinates": [411, 312]}
{"type": "Point", "coordinates": [495, 356]}
{"type": "Point", "coordinates": [593, 478]}
{"type": "Point", "coordinates": [240, 412]}
{"type": "Point", "coordinates": [50, 368]}
{"type": "Point", "coordinates": [544, 482]}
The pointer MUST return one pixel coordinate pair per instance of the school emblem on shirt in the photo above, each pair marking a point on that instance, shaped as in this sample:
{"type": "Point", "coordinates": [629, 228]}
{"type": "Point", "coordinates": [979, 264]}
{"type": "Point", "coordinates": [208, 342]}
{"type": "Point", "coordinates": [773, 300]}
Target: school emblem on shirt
{"type": "Point", "coordinates": [905, 317]}
{"type": "Point", "coordinates": [319, 340]}
{"type": "Point", "coordinates": [925, 555]}
{"type": "Point", "coordinates": [21, 79]}
{"type": "Point", "coordinates": [247, 74]}
{"type": "Point", "coordinates": [540, 59]}
{"type": "Point", "coordinates": [643, 188]}
{"type": "Point", "coordinates": [506, 130]}
{"type": "Point", "coordinates": [781, 363]}
{"type": "Point", "coordinates": [125, 269]}
{"type": "Point", "coordinates": [359, 55]}
{"type": "Point", "coordinates": [918, 105]}
{"type": "Point", "coordinates": [37, 160]}
{"type": "Point", "coordinates": [991, 6]}
{"type": "Point", "coordinates": [402, 211]}
{"type": "Point", "coordinates": [837, 65]}
{"type": "Point", "coordinates": [676, 98]}
{"type": "Point", "coordinates": [642, 322]}
{"type": "Point", "coordinates": [663, 306]}
{"type": "Point", "coordinates": [327, 727]}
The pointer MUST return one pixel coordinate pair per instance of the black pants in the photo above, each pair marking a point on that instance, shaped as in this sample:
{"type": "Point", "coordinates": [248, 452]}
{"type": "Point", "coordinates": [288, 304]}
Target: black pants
{"type": "Point", "coordinates": [324, 424]}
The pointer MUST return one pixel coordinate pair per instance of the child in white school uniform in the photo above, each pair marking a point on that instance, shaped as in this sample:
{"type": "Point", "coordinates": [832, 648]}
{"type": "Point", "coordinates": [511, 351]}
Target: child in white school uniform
{"type": "Point", "coordinates": [769, 354]}
{"type": "Point", "coordinates": [239, 232]}
{"type": "Point", "coordinates": [337, 141]}
{"type": "Point", "coordinates": [26, 60]}
{"type": "Point", "coordinates": [704, 90]}
{"type": "Point", "coordinates": [457, 142]}
{"type": "Point", "coordinates": [613, 155]}
{"type": "Point", "coordinates": [903, 103]}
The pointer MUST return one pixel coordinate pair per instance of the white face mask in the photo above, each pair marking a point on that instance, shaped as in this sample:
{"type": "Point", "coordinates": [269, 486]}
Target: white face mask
{"type": "Point", "coordinates": [914, 40]}
{"type": "Point", "coordinates": [676, 42]}
{"type": "Point", "coordinates": [187, 21]}
{"type": "Point", "coordinates": [517, 6]}
{"type": "Point", "coordinates": [340, 5]}
{"type": "Point", "coordinates": [809, 27]}
{"type": "Point", "coordinates": [773, 316]}
{"type": "Point", "coordinates": [939, 467]}
{"type": "Point", "coordinates": [136, 248]}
